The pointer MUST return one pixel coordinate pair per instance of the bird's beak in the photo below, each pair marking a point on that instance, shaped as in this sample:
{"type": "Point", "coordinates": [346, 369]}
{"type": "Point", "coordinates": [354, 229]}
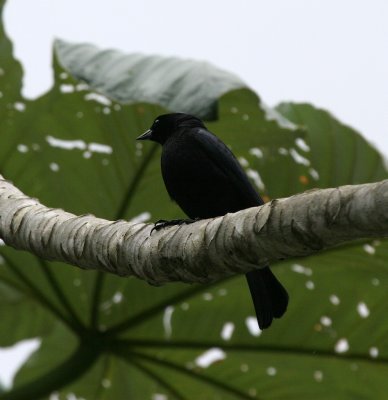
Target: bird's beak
{"type": "Point", "coordinates": [146, 135]}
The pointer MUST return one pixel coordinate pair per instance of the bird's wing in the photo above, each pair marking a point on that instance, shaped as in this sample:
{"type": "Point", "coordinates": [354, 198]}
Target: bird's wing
{"type": "Point", "coordinates": [224, 160]}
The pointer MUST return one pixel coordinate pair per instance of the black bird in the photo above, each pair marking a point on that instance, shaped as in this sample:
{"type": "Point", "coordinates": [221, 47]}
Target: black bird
{"type": "Point", "coordinates": [204, 177]}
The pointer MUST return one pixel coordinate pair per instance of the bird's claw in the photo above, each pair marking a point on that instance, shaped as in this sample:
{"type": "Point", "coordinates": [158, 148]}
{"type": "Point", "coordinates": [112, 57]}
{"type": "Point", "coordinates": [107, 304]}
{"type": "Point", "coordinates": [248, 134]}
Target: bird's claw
{"type": "Point", "coordinates": [162, 223]}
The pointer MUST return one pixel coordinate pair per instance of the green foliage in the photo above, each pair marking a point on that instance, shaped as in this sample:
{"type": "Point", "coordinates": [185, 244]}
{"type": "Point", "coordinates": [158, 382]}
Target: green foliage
{"type": "Point", "coordinates": [176, 84]}
{"type": "Point", "coordinates": [105, 337]}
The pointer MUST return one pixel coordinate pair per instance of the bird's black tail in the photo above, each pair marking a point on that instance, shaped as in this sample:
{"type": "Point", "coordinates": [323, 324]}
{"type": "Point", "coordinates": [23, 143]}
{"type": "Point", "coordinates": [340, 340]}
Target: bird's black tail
{"type": "Point", "coordinates": [269, 296]}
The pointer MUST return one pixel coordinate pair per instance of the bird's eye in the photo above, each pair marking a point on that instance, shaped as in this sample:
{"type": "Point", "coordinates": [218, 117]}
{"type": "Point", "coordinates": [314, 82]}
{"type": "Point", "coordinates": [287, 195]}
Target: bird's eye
{"type": "Point", "coordinates": [156, 121]}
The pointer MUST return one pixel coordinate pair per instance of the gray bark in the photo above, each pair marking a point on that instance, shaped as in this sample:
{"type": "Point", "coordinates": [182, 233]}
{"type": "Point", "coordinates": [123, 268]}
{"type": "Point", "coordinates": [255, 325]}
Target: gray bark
{"type": "Point", "coordinates": [204, 251]}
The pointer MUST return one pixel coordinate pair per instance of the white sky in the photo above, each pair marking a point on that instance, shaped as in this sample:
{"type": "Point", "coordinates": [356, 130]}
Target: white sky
{"type": "Point", "coordinates": [332, 53]}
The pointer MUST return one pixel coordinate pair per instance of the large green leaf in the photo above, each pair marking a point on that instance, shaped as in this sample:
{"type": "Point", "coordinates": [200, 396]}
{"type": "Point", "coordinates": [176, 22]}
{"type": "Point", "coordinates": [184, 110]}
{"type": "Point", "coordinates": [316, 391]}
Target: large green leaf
{"type": "Point", "coordinates": [184, 85]}
{"type": "Point", "coordinates": [339, 154]}
{"type": "Point", "coordinates": [105, 337]}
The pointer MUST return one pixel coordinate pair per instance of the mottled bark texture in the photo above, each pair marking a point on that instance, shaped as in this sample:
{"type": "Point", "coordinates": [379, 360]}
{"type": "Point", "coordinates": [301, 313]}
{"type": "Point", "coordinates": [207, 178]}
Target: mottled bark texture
{"type": "Point", "coordinates": [204, 251]}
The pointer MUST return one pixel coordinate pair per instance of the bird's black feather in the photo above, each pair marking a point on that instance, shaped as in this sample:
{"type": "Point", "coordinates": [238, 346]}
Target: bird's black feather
{"type": "Point", "coordinates": [205, 179]}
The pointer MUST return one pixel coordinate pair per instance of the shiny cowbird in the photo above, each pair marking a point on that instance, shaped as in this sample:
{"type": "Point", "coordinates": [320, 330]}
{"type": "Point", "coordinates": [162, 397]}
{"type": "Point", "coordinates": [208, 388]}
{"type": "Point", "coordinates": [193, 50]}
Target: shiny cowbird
{"type": "Point", "coordinates": [205, 179]}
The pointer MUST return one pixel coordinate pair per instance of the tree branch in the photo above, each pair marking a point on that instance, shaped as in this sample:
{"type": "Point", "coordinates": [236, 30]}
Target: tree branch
{"type": "Point", "coordinates": [204, 251]}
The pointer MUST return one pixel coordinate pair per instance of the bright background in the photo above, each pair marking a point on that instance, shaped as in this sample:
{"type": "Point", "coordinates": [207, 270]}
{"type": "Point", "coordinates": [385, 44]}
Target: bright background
{"type": "Point", "coordinates": [331, 53]}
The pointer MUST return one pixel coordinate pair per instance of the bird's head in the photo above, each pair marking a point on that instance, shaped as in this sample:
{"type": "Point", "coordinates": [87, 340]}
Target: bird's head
{"type": "Point", "coordinates": [166, 125]}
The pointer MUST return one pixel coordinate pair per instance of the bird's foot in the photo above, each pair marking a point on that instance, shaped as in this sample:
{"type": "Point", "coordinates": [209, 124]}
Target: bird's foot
{"type": "Point", "coordinates": [162, 223]}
